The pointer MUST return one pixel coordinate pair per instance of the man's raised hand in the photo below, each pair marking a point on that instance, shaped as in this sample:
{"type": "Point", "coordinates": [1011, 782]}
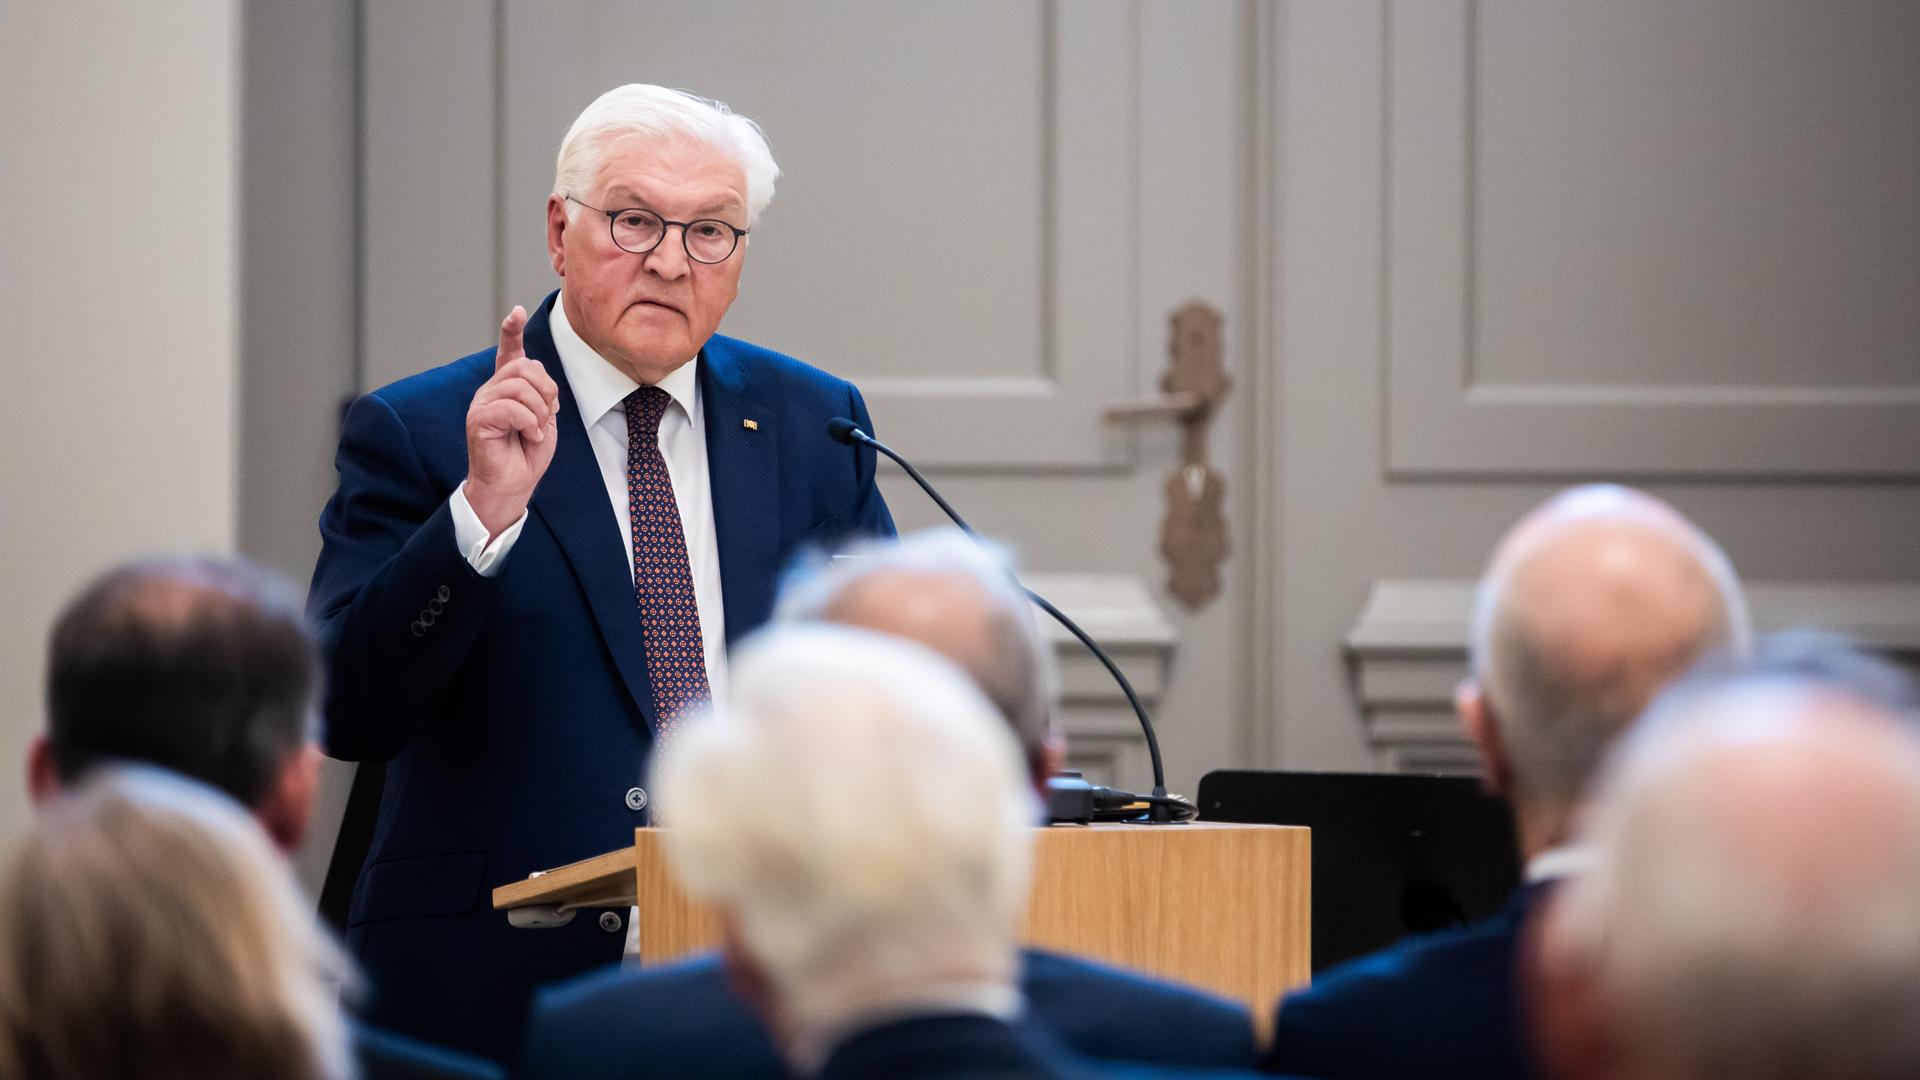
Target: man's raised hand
{"type": "Point", "coordinates": [512, 429]}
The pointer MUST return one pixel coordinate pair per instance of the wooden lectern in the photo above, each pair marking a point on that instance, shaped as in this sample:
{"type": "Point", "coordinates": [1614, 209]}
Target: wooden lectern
{"type": "Point", "coordinates": [1219, 906]}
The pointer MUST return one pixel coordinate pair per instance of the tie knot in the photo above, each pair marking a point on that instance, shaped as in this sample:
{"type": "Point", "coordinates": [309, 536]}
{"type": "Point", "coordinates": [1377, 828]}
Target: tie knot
{"type": "Point", "coordinates": [645, 406]}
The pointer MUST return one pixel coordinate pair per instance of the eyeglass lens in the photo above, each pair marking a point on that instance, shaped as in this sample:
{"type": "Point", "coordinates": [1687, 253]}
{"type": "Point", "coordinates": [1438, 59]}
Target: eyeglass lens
{"type": "Point", "coordinates": [640, 231]}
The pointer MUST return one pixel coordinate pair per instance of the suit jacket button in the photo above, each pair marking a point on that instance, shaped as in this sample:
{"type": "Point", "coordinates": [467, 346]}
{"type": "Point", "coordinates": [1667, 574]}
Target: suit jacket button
{"type": "Point", "coordinates": [636, 798]}
{"type": "Point", "coordinates": [443, 594]}
{"type": "Point", "coordinates": [426, 618]}
{"type": "Point", "coordinates": [419, 628]}
{"type": "Point", "coordinates": [610, 922]}
{"type": "Point", "coordinates": [435, 606]}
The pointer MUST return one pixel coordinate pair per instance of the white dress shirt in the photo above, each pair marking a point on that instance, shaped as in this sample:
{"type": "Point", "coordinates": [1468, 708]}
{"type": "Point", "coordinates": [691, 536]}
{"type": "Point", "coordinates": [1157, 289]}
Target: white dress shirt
{"type": "Point", "coordinates": [599, 388]}
{"type": "Point", "coordinates": [1567, 860]}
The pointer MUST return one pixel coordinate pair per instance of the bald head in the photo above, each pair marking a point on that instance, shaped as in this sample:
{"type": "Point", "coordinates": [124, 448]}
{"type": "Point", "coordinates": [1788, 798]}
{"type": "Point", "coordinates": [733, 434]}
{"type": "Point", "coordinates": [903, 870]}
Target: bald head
{"type": "Point", "coordinates": [1593, 603]}
{"type": "Point", "coordinates": [946, 591]}
{"type": "Point", "coordinates": [1751, 906]}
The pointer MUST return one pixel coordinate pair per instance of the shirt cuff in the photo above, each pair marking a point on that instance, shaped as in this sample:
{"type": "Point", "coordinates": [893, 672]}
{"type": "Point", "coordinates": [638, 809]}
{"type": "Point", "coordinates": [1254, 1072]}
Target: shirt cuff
{"type": "Point", "coordinates": [471, 536]}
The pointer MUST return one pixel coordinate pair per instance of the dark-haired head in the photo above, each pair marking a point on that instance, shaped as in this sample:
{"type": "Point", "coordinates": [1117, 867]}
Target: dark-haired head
{"type": "Point", "coordinates": [198, 665]}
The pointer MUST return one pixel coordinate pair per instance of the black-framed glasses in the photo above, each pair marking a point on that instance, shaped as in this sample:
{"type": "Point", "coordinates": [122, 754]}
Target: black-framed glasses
{"type": "Point", "coordinates": [639, 231]}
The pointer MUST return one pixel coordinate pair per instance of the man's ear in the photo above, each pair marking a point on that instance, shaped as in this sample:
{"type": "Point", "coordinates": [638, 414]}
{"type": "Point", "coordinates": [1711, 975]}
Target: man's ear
{"type": "Point", "coordinates": [1053, 758]}
{"type": "Point", "coordinates": [556, 234]}
{"type": "Point", "coordinates": [43, 776]}
{"type": "Point", "coordinates": [1482, 728]}
{"type": "Point", "coordinates": [287, 808]}
{"type": "Point", "coordinates": [750, 981]}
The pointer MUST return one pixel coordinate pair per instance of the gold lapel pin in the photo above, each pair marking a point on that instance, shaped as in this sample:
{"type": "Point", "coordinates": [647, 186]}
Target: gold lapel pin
{"type": "Point", "coordinates": [750, 425]}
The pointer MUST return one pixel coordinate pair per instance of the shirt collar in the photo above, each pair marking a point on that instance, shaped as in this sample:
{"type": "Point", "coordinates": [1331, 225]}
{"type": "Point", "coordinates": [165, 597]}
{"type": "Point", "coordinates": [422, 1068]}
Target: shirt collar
{"type": "Point", "coordinates": [1558, 862]}
{"type": "Point", "coordinates": [599, 386]}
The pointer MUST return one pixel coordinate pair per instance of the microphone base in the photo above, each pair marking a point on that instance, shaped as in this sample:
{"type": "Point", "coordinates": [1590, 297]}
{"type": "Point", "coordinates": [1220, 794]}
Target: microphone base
{"type": "Point", "coordinates": [1073, 801]}
{"type": "Point", "coordinates": [1069, 800]}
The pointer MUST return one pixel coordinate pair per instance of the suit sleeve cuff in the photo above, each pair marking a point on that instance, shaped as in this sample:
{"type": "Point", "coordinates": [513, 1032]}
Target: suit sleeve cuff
{"type": "Point", "coordinates": [471, 536]}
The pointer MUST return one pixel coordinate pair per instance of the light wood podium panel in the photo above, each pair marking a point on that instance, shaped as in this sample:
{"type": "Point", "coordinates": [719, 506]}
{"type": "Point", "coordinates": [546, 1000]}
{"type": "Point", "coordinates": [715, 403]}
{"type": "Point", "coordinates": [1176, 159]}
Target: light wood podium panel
{"type": "Point", "coordinates": [1220, 906]}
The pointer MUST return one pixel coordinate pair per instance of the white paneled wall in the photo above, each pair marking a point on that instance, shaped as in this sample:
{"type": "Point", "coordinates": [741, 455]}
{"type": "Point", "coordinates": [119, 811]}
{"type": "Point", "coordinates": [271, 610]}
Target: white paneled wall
{"type": "Point", "coordinates": [119, 188]}
{"type": "Point", "coordinates": [1516, 245]}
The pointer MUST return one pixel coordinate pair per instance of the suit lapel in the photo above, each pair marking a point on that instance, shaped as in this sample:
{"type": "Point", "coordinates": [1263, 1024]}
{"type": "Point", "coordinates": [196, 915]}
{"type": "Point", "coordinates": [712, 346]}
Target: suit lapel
{"type": "Point", "coordinates": [743, 467]}
{"type": "Point", "coordinates": [572, 501]}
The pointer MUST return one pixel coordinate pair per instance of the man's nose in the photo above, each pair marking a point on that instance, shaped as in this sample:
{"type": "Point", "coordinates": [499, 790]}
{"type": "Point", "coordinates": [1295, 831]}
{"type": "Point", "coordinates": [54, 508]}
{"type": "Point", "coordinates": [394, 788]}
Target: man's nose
{"type": "Point", "coordinates": [668, 259]}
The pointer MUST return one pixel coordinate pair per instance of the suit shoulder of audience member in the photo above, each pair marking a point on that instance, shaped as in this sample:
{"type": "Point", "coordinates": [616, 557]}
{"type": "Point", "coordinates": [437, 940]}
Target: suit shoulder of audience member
{"type": "Point", "coordinates": [696, 1022]}
{"type": "Point", "coordinates": [1434, 994]}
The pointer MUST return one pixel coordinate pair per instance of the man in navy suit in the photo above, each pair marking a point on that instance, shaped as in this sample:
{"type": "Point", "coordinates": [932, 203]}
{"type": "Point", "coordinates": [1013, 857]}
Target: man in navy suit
{"type": "Point", "coordinates": [943, 590]}
{"type": "Point", "coordinates": [1591, 604]}
{"type": "Point", "coordinates": [538, 556]}
{"type": "Point", "coordinates": [871, 923]}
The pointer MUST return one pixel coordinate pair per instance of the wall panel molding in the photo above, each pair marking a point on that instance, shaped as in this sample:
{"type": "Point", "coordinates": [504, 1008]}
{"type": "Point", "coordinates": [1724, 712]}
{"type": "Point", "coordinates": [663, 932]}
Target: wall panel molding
{"type": "Point", "coordinates": [1118, 610]}
{"type": "Point", "coordinates": [1444, 418]}
{"type": "Point", "coordinates": [1408, 650]}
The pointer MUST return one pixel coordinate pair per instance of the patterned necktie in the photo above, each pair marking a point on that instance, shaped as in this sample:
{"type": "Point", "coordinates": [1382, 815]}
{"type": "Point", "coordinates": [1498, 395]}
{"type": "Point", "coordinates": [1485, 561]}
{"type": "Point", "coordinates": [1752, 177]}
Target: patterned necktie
{"type": "Point", "coordinates": [662, 577]}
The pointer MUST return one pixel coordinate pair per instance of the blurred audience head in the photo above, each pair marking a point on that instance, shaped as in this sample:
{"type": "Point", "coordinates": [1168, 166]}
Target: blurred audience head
{"type": "Point", "coordinates": [199, 665]}
{"type": "Point", "coordinates": [1595, 601]}
{"type": "Point", "coordinates": [957, 596]}
{"type": "Point", "coordinates": [1753, 904]}
{"type": "Point", "coordinates": [863, 819]}
{"type": "Point", "coordinates": [149, 930]}
{"type": "Point", "coordinates": [1822, 658]}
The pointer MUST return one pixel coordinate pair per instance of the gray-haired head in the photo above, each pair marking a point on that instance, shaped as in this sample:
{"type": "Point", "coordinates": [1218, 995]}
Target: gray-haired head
{"type": "Point", "coordinates": [1592, 604]}
{"type": "Point", "coordinates": [1822, 658]}
{"type": "Point", "coordinates": [1752, 904]}
{"type": "Point", "coordinates": [642, 109]}
{"type": "Point", "coordinates": [862, 817]}
{"type": "Point", "coordinates": [953, 594]}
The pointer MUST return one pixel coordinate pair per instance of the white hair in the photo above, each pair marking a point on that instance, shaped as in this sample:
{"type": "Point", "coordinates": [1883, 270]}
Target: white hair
{"type": "Point", "coordinates": [1568, 666]}
{"type": "Point", "coordinates": [1753, 904]}
{"type": "Point", "coordinates": [655, 110]}
{"type": "Point", "coordinates": [860, 811]}
{"type": "Point", "coordinates": [994, 639]}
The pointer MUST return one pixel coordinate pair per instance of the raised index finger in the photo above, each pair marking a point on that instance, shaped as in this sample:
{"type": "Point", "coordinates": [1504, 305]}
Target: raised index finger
{"type": "Point", "coordinates": [513, 344]}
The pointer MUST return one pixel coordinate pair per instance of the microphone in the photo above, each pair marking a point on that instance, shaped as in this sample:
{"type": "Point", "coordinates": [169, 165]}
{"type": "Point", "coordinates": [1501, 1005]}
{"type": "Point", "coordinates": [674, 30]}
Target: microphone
{"type": "Point", "coordinates": [1161, 806]}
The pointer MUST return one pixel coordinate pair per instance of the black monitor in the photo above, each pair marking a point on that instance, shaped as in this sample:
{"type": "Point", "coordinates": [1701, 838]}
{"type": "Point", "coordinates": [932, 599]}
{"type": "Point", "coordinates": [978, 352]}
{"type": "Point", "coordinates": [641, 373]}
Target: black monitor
{"type": "Point", "coordinates": [1392, 855]}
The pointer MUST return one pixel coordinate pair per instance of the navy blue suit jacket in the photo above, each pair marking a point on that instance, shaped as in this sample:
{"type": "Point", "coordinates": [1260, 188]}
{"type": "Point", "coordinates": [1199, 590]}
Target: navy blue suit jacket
{"type": "Point", "coordinates": [515, 710]}
{"type": "Point", "coordinates": [1439, 1006]}
{"type": "Point", "coordinates": [973, 1047]}
{"type": "Point", "coordinates": [382, 1055]}
{"type": "Point", "coordinates": [959, 1047]}
{"type": "Point", "coordinates": [683, 1019]}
